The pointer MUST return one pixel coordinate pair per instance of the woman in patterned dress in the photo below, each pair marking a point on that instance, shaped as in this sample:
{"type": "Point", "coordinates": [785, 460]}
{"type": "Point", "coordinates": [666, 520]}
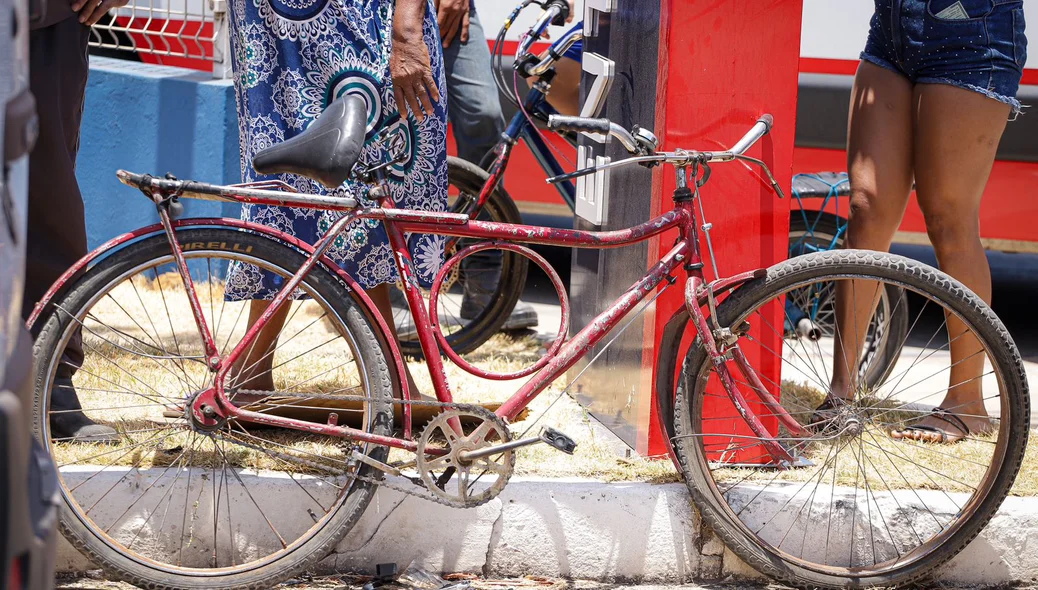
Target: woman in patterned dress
{"type": "Point", "coordinates": [292, 58]}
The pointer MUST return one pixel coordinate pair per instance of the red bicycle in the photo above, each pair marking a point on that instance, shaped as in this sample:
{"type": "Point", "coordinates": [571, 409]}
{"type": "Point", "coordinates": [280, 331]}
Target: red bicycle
{"type": "Point", "coordinates": [817, 499]}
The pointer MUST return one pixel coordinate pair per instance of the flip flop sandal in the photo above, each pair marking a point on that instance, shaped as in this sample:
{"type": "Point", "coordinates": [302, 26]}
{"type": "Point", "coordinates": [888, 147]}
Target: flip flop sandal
{"type": "Point", "coordinates": [944, 416]}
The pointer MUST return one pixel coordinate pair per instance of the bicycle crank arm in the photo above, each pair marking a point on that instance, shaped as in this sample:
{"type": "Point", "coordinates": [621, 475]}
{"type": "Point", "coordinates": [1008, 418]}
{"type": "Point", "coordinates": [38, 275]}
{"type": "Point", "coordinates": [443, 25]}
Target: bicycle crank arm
{"type": "Point", "coordinates": [548, 436]}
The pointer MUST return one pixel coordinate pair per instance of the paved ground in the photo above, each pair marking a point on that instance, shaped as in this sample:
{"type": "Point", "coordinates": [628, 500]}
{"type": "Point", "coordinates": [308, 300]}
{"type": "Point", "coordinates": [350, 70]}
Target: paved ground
{"type": "Point", "coordinates": [351, 583]}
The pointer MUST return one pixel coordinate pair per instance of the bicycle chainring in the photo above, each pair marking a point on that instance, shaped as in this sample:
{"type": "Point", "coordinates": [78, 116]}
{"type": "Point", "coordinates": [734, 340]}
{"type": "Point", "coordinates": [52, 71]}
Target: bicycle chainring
{"type": "Point", "coordinates": [453, 480]}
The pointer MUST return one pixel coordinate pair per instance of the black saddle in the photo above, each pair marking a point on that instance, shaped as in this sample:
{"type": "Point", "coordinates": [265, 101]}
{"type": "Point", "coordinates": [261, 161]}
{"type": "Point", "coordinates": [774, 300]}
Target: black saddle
{"type": "Point", "coordinates": [326, 151]}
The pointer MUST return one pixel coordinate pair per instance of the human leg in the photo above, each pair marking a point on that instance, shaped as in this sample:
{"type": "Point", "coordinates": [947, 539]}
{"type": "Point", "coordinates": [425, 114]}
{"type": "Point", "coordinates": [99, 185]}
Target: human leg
{"type": "Point", "coordinates": [474, 108]}
{"type": "Point", "coordinates": [956, 135]}
{"type": "Point", "coordinates": [254, 369]}
{"type": "Point", "coordinates": [879, 163]}
{"type": "Point", "coordinates": [565, 88]}
{"type": "Point", "coordinates": [56, 225]}
{"type": "Point", "coordinates": [380, 297]}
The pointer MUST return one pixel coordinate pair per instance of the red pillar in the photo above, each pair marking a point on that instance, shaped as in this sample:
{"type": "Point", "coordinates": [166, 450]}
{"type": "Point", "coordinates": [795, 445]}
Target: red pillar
{"type": "Point", "coordinates": [722, 64]}
{"type": "Point", "coordinates": [699, 73]}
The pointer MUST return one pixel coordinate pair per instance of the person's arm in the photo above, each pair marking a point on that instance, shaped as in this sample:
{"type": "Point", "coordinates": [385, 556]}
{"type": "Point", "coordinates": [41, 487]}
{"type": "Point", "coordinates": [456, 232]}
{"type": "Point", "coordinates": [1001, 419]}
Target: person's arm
{"type": "Point", "coordinates": [413, 83]}
{"type": "Point", "coordinates": [91, 11]}
{"type": "Point", "coordinates": [453, 17]}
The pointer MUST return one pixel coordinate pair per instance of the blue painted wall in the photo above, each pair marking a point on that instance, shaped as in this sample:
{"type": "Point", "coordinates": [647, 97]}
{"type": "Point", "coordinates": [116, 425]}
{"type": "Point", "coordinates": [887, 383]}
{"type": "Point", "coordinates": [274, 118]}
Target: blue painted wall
{"type": "Point", "coordinates": [152, 119]}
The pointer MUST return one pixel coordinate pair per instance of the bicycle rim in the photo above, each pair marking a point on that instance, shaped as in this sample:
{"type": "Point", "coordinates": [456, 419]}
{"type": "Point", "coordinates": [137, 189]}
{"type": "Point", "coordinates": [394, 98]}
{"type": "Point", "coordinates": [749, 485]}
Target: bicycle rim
{"type": "Point", "coordinates": [476, 300]}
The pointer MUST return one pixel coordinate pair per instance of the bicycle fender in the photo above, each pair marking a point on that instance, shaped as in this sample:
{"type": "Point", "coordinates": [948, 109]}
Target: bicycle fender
{"type": "Point", "coordinates": [668, 350]}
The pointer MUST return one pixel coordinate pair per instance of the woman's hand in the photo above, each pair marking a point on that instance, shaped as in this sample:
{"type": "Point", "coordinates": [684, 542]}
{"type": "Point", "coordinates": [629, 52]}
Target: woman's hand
{"type": "Point", "coordinates": [413, 83]}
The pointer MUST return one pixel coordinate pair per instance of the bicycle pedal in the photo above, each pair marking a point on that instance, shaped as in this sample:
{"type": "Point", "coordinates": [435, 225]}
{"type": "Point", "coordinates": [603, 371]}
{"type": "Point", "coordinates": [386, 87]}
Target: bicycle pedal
{"type": "Point", "coordinates": [558, 440]}
{"type": "Point", "coordinates": [441, 482]}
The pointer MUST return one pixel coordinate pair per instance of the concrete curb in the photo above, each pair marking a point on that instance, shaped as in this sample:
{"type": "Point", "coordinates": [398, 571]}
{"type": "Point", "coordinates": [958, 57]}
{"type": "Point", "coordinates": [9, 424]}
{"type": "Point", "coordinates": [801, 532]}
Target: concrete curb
{"type": "Point", "coordinates": [600, 531]}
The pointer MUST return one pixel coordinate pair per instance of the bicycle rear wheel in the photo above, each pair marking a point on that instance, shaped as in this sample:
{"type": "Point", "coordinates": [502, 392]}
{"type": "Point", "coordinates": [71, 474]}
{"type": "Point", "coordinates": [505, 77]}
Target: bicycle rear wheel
{"type": "Point", "coordinates": [169, 504]}
{"type": "Point", "coordinates": [856, 507]}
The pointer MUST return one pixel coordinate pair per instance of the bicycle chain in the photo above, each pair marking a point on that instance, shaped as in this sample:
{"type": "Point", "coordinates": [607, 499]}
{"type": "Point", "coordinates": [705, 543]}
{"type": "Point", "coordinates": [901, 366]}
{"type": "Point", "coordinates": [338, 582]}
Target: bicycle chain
{"type": "Point", "coordinates": [473, 408]}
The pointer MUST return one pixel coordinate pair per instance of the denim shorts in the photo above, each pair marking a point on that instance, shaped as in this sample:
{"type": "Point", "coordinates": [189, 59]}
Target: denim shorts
{"type": "Point", "coordinates": [978, 45]}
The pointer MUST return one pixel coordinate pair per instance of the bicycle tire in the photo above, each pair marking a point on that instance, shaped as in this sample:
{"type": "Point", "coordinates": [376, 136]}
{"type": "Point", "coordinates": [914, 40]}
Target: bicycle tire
{"type": "Point", "coordinates": [851, 264]}
{"type": "Point", "coordinates": [337, 523]}
{"type": "Point", "coordinates": [824, 229]}
{"type": "Point", "coordinates": [469, 179]}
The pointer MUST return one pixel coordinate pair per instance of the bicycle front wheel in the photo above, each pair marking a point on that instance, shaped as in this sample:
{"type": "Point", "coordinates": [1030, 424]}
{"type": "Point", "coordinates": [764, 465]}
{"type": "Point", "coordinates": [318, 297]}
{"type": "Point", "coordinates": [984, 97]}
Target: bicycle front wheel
{"type": "Point", "coordinates": [164, 502]}
{"type": "Point", "coordinates": [858, 502]}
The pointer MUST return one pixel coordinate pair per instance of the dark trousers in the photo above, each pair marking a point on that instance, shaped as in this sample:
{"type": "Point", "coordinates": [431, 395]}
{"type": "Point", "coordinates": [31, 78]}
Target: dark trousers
{"type": "Point", "coordinates": [56, 226]}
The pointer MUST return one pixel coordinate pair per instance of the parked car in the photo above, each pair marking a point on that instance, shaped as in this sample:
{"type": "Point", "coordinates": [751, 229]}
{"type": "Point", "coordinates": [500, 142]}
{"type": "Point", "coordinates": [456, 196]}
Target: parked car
{"type": "Point", "coordinates": [28, 482]}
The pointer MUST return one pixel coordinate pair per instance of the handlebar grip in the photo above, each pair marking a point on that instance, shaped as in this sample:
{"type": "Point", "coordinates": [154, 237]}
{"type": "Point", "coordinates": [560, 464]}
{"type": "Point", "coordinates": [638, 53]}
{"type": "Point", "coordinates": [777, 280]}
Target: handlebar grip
{"type": "Point", "coordinates": [768, 121]}
{"type": "Point", "coordinates": [563, 14]}
{"type": "Point", "coordinates": [565, 123]}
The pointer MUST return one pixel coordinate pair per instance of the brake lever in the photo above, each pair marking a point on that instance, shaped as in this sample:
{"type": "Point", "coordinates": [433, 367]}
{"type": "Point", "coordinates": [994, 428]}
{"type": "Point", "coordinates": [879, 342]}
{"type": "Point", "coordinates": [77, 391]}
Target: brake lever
{"type": "Point", "coordinates": [572, 175]}
{"type": "Point", "coordinates": [771, 177]}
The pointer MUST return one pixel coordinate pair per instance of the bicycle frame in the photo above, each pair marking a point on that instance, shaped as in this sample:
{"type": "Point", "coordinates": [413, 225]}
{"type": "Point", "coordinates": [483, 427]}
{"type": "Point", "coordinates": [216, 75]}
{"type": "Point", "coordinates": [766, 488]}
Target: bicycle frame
{"type": "Point", "coordinates": [212, 405]}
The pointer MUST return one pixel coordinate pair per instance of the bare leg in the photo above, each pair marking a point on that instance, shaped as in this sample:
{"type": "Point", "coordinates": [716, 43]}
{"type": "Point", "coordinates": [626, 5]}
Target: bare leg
{"type": "Point", "coordinates": [380, 297]}
{"type": "Point", "coordinates": [879, 161]}
{"type": "Point", "coordinates": [253, 370]}
{"type": "Point", "coordinates": [565, 89]}
{"type": "Point", "coordinates": [957, 132]}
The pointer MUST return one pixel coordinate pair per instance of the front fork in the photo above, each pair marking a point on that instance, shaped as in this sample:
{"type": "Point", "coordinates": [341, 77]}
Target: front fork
{"type": "Point", "coordinates": [722, 345]}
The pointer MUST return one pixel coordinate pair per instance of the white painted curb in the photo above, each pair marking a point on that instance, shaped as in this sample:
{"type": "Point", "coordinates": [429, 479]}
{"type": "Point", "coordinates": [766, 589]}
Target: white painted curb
{"type": "Point", "coordinates": [600, 531]}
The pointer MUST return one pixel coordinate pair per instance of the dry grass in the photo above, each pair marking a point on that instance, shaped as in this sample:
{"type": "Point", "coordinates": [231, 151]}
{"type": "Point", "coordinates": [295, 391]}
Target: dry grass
{"type": "Point", "coordinates": [115, 376]}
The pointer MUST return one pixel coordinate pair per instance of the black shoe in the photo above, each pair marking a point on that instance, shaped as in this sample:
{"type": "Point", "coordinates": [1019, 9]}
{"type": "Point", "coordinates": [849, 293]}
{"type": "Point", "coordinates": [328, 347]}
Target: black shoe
{"type": "Point", "coordinates": [67, 421]}
{"type": "Point", "coordinates": [523, 317]}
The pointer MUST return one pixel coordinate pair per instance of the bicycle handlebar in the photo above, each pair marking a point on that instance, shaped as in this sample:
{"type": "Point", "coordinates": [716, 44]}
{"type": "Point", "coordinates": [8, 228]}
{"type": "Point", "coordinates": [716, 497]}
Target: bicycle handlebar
{"type": "Point", "coordinates": [589, 125]}
{"type": "Point", "coordinates": [759, 130]}
{"type": "Point", "coordinates": [606, 127]}
{"type": "Point", "coordinates": [549, 16]}
{"type": "Point", "coordinates": [563, 14]}
{"type": "Point", "coordinates": [648, 156]}
{"type": "Point", "coordinates": [568, 123]}
{"type": "Point", "coordinates": [554, 53]}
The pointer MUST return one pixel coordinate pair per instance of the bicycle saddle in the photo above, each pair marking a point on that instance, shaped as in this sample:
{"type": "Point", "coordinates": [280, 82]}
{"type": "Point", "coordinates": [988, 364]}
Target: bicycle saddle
{"type": "Point", "coordinates": [326, 151]}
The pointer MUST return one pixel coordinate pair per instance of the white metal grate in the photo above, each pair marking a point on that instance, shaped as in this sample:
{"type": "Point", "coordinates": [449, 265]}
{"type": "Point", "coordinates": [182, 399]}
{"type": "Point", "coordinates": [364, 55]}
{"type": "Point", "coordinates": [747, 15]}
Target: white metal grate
{"type": "Point", "coordinates": [185, 33]}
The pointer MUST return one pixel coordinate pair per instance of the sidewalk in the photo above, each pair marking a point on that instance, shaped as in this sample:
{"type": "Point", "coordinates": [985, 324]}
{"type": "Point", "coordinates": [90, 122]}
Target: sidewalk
{"type": "Point", "coordinates": [627, 532]}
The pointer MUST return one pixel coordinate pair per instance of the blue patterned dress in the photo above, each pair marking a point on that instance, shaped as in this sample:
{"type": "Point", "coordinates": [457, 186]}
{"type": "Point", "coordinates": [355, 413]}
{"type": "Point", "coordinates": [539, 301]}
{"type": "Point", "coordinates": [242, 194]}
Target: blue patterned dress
{"type": "Point", "coordinates": [292, 58]}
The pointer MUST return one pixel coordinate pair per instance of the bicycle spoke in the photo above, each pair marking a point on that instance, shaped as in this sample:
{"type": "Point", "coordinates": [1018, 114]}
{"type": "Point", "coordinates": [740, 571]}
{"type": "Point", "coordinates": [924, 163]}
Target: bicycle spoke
{"type": "Point", "coordinates": [256, 504]}
{"type": "Point", "coordinates": [147, 314]}
{"type": "Point", "coordinates": [173, 331]}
